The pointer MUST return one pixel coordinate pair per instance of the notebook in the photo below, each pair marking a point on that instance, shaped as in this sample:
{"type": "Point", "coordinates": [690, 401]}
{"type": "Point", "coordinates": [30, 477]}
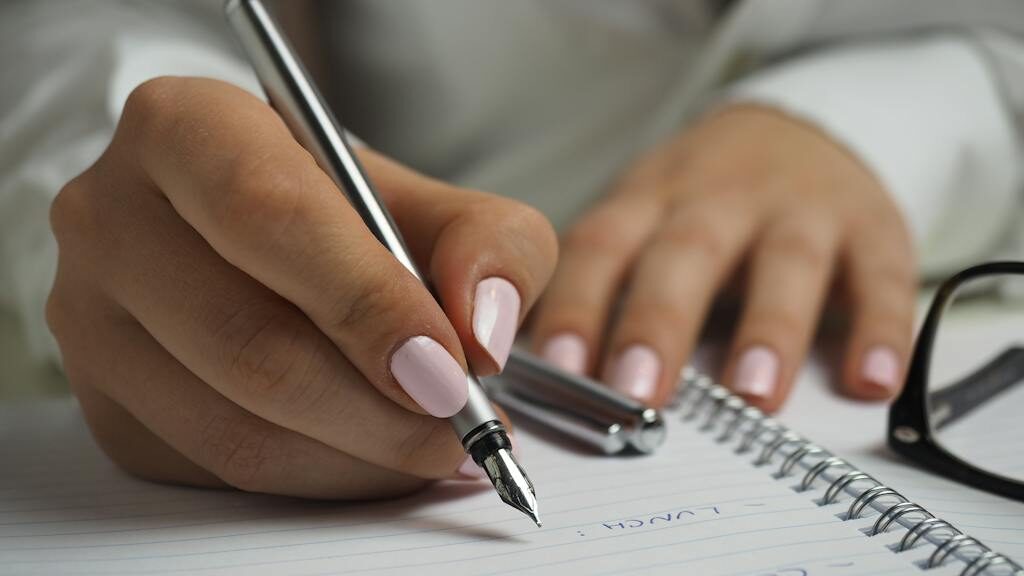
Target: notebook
{"type": "Point", "coordinates": [694, 507]}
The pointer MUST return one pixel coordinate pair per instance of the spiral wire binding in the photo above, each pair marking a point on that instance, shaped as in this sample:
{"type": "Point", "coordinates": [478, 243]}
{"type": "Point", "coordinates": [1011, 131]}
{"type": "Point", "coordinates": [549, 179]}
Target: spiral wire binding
{"type": "Point", "coordinates": [716, 404]}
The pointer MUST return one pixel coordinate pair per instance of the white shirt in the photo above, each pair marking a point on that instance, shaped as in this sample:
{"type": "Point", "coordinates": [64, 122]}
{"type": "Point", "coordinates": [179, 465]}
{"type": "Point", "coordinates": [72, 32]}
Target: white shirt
{"type": "Point", "coordinates": [543, 100]}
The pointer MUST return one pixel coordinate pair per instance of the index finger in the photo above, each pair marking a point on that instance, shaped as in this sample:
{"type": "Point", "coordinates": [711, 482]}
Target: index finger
{"type": "Point", "coordinates": [231, 169]}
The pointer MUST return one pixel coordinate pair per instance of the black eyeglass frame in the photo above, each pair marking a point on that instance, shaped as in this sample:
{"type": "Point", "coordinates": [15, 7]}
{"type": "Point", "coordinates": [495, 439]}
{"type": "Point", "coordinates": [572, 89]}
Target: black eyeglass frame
{"type": "Point", "coordinates": [910, 433]}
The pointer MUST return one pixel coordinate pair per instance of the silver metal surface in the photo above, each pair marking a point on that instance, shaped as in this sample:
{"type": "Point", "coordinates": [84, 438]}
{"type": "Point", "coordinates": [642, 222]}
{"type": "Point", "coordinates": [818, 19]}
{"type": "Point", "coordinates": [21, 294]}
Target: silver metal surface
{"type": "Point", "coordinates": [511, 483]}
{"type": "Point", "coordinates": [300, 105]}
{"type": "Point", "coordinates": [478, 410]}
{"type": "Point", "coordinates": [303, 109]}
{"type": "Point", "coordinates": [841, 478]}
{"type": "Point", "coordinates": [576, 406]}
{"type": "Point", "coordinates": [895, 512]}
{"type": "Point", "coordinates": [608, 438]}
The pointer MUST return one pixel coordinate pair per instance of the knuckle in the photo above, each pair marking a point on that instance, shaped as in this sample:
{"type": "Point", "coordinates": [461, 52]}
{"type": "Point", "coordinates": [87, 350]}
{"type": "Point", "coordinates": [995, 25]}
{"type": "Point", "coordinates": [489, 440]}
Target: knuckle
{"type": "Point", "coordinates": [700, 237]}
{"type": "Point", "coordinates": [55, 313]}
{"type": "Point", "coordinates": [259, 199]}
{"type": "Point", "coordinates": [70, 210]}
{"type": "Point", "coordinates": [270, 354]}
{"type": "Point", "coordinates": [240, 451]}
{"type": "Point", "coordinates": [524, 234]}
{"type": "Point", "coordinates": [367, 306]}
{"type": "Point", "coordinates": [151, 105]}
{"type": "Point", "coordinates": [801, 246]}
{"type": "Point", "coordinates": [595, 234]}
{"type": "Point", "coordinates": [525, 219]}
{"type": "Point", "coordinates": [527, 222]}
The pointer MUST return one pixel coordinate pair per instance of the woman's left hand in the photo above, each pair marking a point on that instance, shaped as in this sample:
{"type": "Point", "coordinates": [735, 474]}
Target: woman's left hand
{"type": "Point", "coordinates": [745, 185]}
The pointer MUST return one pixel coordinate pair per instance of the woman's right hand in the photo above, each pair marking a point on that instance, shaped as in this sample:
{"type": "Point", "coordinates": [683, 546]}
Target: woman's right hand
{"type": "Point", "coordinates": [225, 317]}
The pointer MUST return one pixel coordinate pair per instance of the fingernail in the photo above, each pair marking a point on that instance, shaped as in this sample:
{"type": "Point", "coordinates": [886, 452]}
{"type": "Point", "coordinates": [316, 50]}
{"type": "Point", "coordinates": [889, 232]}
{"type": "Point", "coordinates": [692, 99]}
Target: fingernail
{"type": "Point", "coordinates": [496, 317]}
{"type": "Point", "coordinates": [470, 470]}
{"type": "Point", "coordinates": [757, 373]}
{"type": "Point", "coordinates": [881, 368]}
{"type": "Point", "coordinates": [636, 372]}
{"type": "Point", "coordinates": [430, 375]}
{"type": "Point", "coordinates": [566, 351]}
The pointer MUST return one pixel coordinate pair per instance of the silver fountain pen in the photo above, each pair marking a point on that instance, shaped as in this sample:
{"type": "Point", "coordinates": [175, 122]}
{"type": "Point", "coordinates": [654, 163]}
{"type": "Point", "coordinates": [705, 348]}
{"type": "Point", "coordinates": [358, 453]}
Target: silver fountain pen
{"type": "Point", "coordinates": [292, 93]}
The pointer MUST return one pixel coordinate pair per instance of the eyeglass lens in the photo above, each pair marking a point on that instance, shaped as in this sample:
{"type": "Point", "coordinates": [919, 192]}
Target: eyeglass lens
{"type": "Point", "coordinates": [976, 375]}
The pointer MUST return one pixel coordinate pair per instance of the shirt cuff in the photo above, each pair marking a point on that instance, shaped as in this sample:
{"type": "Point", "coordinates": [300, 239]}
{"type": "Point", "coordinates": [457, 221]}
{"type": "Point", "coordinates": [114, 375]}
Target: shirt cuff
{"type": "Point", "coordinates": [926, 116]}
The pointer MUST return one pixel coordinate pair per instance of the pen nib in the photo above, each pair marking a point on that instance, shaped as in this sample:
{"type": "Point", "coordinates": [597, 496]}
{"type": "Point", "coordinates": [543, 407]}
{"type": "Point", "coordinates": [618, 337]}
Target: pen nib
{"type": "Point", "coordinates": [511, 483]}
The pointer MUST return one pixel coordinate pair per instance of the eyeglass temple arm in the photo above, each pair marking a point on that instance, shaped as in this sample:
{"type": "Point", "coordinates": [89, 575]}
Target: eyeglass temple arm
{"type": "Point", "coordinates": [984, 384]}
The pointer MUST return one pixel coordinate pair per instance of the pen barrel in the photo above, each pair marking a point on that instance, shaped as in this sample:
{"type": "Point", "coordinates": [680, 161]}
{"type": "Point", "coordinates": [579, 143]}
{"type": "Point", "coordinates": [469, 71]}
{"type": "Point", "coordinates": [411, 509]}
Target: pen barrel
{"type": "Point", "coordinates": [477, 415]}
{"type": "Point", "coordinates": [299, 103]}
{"type": "Point", "coordinates": [575, 405]}
{"type": "Point", "coordinates": [296, 99]}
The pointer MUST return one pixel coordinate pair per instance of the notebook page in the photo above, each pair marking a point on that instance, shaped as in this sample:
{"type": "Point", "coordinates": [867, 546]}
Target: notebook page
{"type": "Point", "coordinates": [856, 431]}
{"type": "Point", "coordinates": [694, 506]}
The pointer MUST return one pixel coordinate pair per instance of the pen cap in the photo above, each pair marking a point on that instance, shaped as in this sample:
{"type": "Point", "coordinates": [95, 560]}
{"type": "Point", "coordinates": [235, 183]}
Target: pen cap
{"type": "Point", "coordinates": [576, 406]}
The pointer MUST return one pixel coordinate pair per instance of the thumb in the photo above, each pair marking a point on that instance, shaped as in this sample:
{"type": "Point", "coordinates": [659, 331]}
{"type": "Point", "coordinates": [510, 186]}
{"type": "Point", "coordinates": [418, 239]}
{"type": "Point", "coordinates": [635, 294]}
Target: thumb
{"type": "Point", "coordinates": [488, 257]}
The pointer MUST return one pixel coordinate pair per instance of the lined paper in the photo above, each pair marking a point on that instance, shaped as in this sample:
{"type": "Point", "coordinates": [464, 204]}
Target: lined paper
{"type": "Point", "coordinates": [694, 507]}
{"type": "Point", "coordinates": [856, 431]}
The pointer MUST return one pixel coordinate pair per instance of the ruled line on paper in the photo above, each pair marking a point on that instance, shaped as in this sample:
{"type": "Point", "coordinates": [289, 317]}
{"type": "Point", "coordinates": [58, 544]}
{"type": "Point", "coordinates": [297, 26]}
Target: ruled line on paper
{"type": "Point", "coordinates": [695, 559]}
{"type": "Point", "coordinates": [589, 529]}
{"type": "Point", "coordinates": [194, 494]}
{"type": "Point", "coordinates": [478, 557]}
{"type": "Point", "coordinates": [574, 492]}
{"type": "Point", "coordinates": [404, 520]}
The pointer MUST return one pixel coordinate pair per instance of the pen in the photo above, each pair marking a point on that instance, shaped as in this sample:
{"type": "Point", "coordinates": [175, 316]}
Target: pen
{"type": "Point", "coordinates": [576, 406]}
{"type": "Point", "coordinates": [292, 93]}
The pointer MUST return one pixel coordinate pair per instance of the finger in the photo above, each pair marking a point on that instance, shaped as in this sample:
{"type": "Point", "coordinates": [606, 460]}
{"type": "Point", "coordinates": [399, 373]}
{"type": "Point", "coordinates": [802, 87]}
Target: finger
{"type": "Point", "coordinates": [256, 349]}
{"type": "Point", "coordinates": [267, 208]}
{"type": "Point", "coordinates": [489, 257]}
{"type": "Point", "coordinates": [881, 284]}
{"type": "Point", "coordinates": [596, 256]}
{"type": "Point", "coordinates": [671, 288]}
{"type": "Point", "coordinates": [789, 277]}
{"type": "Point", "coordinates": [133, 447]}
{"type": "Point", "coordinates": [235, 446]}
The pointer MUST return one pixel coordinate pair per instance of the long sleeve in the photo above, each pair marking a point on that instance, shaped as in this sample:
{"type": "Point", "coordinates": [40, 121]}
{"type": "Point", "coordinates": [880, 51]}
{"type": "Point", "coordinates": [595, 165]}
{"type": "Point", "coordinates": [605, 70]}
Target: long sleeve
{"type": "Point", "coordinates": [68, 68]}
{"type": "Point", "coordinates": [932, 116]}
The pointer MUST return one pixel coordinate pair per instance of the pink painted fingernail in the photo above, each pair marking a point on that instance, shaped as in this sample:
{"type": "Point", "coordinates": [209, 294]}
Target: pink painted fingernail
{"type": "Point", "coordinates": [636, 372]}
{"type": "Point", "coordinates": [757, 372]}
{"type": "Point", "coordinates": [496, 317]}
{"type": "Point", "coordinates": [430, 375]}
{"type": "Point", "coordinates": [470, 470]}
{"type": "Point", "coordinates": [566, 351]}
{"type": "Point", "coordinates": [881, 367]}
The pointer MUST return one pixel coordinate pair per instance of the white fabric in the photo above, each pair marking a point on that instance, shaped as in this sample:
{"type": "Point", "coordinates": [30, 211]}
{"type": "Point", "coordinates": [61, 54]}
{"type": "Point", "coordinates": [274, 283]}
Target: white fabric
{"type": "Point", "coordinates": [545, 100]}
{"type": "Point", "coordinates": [955, 174]}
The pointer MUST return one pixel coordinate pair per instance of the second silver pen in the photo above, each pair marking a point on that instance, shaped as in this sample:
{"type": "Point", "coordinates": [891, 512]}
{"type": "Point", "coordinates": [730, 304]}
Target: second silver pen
{"type": "Point", "coordinates": [298, 102]}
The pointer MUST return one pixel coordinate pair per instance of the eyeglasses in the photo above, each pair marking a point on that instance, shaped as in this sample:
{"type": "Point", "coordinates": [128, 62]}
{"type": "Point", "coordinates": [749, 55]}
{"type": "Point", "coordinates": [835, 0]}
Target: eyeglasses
{"type": "Point", "coordinates": [961, 413]}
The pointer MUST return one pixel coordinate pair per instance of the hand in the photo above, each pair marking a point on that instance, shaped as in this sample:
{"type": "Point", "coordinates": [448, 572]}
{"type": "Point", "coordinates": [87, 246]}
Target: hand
{"type": "Point", "coordinates": [745, 185]}
{"type": "Point", "coordinates": [226, 318]}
